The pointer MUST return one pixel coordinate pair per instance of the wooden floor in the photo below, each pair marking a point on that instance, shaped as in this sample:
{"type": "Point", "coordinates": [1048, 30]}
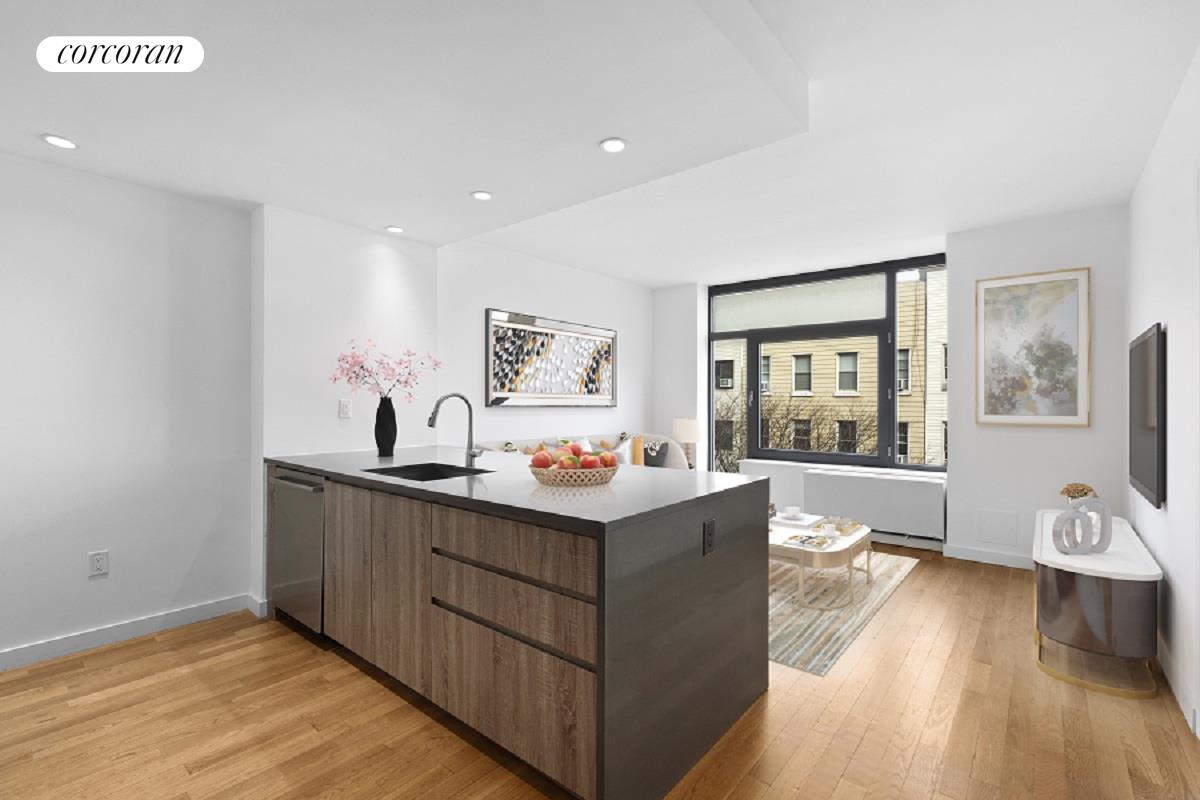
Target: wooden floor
{"type": "Point", "coordinates": [938, 697]}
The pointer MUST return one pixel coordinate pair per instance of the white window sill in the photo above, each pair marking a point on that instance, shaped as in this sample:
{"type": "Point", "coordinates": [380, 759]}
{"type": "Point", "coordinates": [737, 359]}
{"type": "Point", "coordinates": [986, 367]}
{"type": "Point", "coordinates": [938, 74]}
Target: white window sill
{"type": "Point", "coordinates": [802, 394]}
{"type": "Point", "coordinates": [847, 394]}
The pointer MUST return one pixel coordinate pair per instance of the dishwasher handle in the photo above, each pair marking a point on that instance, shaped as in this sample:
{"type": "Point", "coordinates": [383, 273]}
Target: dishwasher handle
{"type": "Point", "coordinates": [300, 486]}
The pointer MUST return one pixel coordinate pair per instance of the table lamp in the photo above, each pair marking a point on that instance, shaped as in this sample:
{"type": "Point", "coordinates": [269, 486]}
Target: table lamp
{"type": "Point", "coordinates": [687, 433]}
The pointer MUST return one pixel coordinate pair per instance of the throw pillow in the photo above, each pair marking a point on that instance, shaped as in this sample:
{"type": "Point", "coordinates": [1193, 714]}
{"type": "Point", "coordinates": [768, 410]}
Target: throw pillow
{"type": "Point", "coordinates": [656, 453]}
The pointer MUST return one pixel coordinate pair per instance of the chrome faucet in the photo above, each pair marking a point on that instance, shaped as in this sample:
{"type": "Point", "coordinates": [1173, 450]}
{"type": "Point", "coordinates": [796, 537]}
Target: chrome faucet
{"type": "Point", "coordinates": [473, 452]}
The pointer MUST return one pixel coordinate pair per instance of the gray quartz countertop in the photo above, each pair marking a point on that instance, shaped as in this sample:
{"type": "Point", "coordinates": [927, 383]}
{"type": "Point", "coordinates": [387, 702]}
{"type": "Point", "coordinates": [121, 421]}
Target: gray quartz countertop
{"type": "Point", "coordinates": [510, 490]}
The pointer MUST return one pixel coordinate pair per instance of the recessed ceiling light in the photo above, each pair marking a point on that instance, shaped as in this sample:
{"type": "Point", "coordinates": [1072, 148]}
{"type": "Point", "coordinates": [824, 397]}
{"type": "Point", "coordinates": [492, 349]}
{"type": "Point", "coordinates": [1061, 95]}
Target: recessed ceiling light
{"type": "Point", "coordinates": [613, 144]}
{"type": "Point", "coordinates": [394, 229]}
{"type": "Point", "coordinates": [479, 194]}
{"type": "Point", "coordinates": [59, 141]}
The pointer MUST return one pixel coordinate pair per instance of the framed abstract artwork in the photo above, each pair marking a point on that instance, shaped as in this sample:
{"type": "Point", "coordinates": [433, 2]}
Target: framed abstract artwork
{"type": "Point", "coordinates": [1033, 349]}
{"type": "Point", "coordinates": [534, 361]}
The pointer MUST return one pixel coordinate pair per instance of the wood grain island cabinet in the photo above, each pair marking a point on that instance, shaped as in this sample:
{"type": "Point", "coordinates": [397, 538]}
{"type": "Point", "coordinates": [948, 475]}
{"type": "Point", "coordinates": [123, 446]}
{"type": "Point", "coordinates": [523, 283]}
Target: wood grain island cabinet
{"type": "Point", "coordinates": [377, 579]}
{"type": "Point", "coordinates": [608, 650]}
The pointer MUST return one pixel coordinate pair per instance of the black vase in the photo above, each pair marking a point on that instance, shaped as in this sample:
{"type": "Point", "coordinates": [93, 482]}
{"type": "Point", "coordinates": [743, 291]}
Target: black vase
{"type": "Point", "coordinates": [385, 426]}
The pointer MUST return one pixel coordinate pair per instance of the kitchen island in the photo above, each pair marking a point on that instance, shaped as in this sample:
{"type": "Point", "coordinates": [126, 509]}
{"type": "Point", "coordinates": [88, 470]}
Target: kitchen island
{"type": "Point", "coordinates": [607, 635]}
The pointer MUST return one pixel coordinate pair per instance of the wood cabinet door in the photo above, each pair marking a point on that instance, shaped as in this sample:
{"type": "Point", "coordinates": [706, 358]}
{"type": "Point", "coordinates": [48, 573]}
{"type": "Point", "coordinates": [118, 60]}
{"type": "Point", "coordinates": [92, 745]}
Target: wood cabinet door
{"type": "Point", "coordinates": [400, 593]}
{"type": "Point", "coordinates": [537, 706]}
{"type": "Point", "coordinates": [348, 567]}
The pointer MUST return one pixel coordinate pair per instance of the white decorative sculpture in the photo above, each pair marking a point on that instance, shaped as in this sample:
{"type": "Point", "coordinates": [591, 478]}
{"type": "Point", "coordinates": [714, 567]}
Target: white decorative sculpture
{"type": "Point", "coordinates": [1075, 532]}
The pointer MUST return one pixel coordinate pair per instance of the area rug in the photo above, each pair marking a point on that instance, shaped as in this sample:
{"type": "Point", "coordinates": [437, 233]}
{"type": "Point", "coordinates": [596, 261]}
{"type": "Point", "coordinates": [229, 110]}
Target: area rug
{"type": "Point", "coordinates": [814, 640]}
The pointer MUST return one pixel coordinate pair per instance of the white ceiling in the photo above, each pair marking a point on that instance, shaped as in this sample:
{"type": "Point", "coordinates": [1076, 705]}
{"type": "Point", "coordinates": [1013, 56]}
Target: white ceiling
{"type": "Point", "coordinates": [927, 117]}
{"type": "Point", "coordinates": [381, 112]}
{"type": "Point", "coordinates": [924, 117]}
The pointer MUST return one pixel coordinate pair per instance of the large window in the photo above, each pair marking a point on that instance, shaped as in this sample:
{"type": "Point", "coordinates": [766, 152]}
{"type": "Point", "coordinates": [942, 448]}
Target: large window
{"type": "Point", "coordinates": [867, 353]}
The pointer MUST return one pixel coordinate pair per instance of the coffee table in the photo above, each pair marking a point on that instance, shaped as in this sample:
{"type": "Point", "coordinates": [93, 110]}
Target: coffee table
{"type": "Point", "coordinates": [842, 552]}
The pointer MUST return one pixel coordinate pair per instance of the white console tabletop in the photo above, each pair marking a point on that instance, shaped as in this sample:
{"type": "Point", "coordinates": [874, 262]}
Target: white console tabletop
{"type": "Point", "coordinates": [1126, 559]}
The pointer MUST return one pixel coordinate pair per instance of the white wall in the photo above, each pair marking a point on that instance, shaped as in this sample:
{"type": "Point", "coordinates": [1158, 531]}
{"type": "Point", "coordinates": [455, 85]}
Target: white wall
{"type": "Point", "coordinates": [472, 277]}
{"type": "Point", "coordinates": [1000, 475]}
{"type": "Point", "coordinates": [679, 361]}
{"type": "Point", "coordinates": [124, 333]}
{"type": "Point", "coordinates": [321, 283]}
{"type": "Point", "coordinates": [1164, 287]}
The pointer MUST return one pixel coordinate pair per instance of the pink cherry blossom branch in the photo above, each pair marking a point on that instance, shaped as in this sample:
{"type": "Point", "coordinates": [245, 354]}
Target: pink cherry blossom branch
{"type": "Point", "coordinates": [380, 373]}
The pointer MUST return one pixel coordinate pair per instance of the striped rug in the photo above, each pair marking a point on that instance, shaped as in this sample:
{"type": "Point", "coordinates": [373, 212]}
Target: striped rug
{"type": "Point", "coordinates": [814, 640]}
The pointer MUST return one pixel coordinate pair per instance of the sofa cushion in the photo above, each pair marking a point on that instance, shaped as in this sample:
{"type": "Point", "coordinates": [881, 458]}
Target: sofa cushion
{"type": "Point", "coordinates": [655, 452]}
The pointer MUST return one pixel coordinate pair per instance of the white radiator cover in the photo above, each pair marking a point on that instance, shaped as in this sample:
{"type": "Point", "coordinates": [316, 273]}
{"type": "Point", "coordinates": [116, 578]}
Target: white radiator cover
{"type": "Point", "coordinates": [897, 501]}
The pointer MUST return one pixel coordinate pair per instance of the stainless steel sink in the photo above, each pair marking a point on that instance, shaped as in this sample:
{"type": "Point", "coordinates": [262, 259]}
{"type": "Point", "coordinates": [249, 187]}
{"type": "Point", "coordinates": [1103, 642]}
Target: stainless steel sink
{"type": "Point", "coordinates": [429, 471]}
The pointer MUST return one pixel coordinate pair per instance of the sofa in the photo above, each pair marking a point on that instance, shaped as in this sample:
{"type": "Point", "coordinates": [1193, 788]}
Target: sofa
{"type": "Point", "coordinates": [657, 451]}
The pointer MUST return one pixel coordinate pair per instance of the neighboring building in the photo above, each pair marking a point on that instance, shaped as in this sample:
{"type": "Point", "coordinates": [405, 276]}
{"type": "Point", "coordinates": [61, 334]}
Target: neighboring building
{"type": "Point", "coordinates": [821, 395]}
{"type": "Point", "coordinates": [936, 404]}
{"type": "Point", "coordinates": [911, 359]}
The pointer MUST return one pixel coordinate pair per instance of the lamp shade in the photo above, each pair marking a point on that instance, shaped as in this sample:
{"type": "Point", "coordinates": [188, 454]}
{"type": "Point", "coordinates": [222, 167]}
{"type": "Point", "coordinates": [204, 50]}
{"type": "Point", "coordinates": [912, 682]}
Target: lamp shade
{"type": "Point", "coordinates": [686, 431]}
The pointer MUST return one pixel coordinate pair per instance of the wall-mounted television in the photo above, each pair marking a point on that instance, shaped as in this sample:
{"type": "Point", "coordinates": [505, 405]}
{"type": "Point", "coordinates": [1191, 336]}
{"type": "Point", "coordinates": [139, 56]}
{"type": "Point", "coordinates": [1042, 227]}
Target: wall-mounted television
{"type": "Point", "coordinates": [1148, 414]}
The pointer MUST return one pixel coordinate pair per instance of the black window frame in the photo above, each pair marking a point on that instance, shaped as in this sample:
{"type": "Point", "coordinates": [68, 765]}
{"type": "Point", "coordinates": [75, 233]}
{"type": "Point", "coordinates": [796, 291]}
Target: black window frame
{"type": "Point", "coordinates": [883, 328]}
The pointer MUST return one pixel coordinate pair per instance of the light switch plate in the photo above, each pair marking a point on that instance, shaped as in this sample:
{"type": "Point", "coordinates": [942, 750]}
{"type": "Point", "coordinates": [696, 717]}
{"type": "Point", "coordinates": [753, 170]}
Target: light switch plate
{"type": "Point", "coordinates": [345, 408]}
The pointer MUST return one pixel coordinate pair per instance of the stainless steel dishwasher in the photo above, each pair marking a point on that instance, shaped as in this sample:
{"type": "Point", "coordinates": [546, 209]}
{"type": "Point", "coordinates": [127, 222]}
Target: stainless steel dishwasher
{"type": "Point", "coordinates": [296, 546]}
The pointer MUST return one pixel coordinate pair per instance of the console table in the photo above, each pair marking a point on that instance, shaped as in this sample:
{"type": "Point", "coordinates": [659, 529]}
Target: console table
{"type": "Point", "coordinates": [1105, 603]}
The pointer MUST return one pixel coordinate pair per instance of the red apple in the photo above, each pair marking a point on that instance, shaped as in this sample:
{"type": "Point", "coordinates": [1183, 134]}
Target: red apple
{"type": "Point", "coordinates": [568, 462]}
{"type": "Point", "coordinates": [607, 459]}
{"type": "Point", "coordinates": [576, 449]}
{"type": "Point", "coordinates": [589, 461]}
{"type": "Point", "coordinates": [541, 460]}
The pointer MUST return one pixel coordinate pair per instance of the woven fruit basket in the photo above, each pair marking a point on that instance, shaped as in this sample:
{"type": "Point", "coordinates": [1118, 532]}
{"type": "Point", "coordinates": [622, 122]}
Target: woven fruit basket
{"type": "Point", "coordinates": [574, 477]}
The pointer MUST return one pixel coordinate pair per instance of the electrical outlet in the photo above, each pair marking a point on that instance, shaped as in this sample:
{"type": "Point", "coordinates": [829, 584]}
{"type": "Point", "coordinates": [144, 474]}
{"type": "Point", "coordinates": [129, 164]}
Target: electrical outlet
{"type": "Point", "coordinates": [345, 408]}
{"type": "Point", "coordinates": [98, 564]}
{"type": "Point", "coordinates": [710, 536]}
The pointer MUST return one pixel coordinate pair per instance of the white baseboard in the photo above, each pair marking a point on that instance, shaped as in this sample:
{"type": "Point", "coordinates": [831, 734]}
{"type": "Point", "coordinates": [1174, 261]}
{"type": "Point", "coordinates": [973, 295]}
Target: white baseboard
{"type": "Point", "coordinates": [25, 654]}
{"type": "Point", "coordinates": [999, 557]}
{"type": "Point", "coordinates": [256, 606]}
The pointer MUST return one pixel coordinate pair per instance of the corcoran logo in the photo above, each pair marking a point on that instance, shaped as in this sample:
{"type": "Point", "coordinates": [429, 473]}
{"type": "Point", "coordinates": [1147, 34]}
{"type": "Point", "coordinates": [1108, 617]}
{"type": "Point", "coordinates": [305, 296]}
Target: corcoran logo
{"type": "Point", "coordinates": [120, 54]}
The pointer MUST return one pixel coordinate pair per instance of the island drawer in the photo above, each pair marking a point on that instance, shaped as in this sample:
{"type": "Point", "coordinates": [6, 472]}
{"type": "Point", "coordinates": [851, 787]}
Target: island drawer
{"type": "Point", "coordinates": [541, 708]}
{"type": "Point", "coordinates": [557, 621]}
{"type": "Point", "coordinates": [556, 559]}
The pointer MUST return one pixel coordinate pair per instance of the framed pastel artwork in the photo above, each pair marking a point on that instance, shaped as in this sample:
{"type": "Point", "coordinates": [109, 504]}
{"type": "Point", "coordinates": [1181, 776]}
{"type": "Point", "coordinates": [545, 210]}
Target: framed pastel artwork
{"type": "Point", "coordinates": [1033, 354]}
